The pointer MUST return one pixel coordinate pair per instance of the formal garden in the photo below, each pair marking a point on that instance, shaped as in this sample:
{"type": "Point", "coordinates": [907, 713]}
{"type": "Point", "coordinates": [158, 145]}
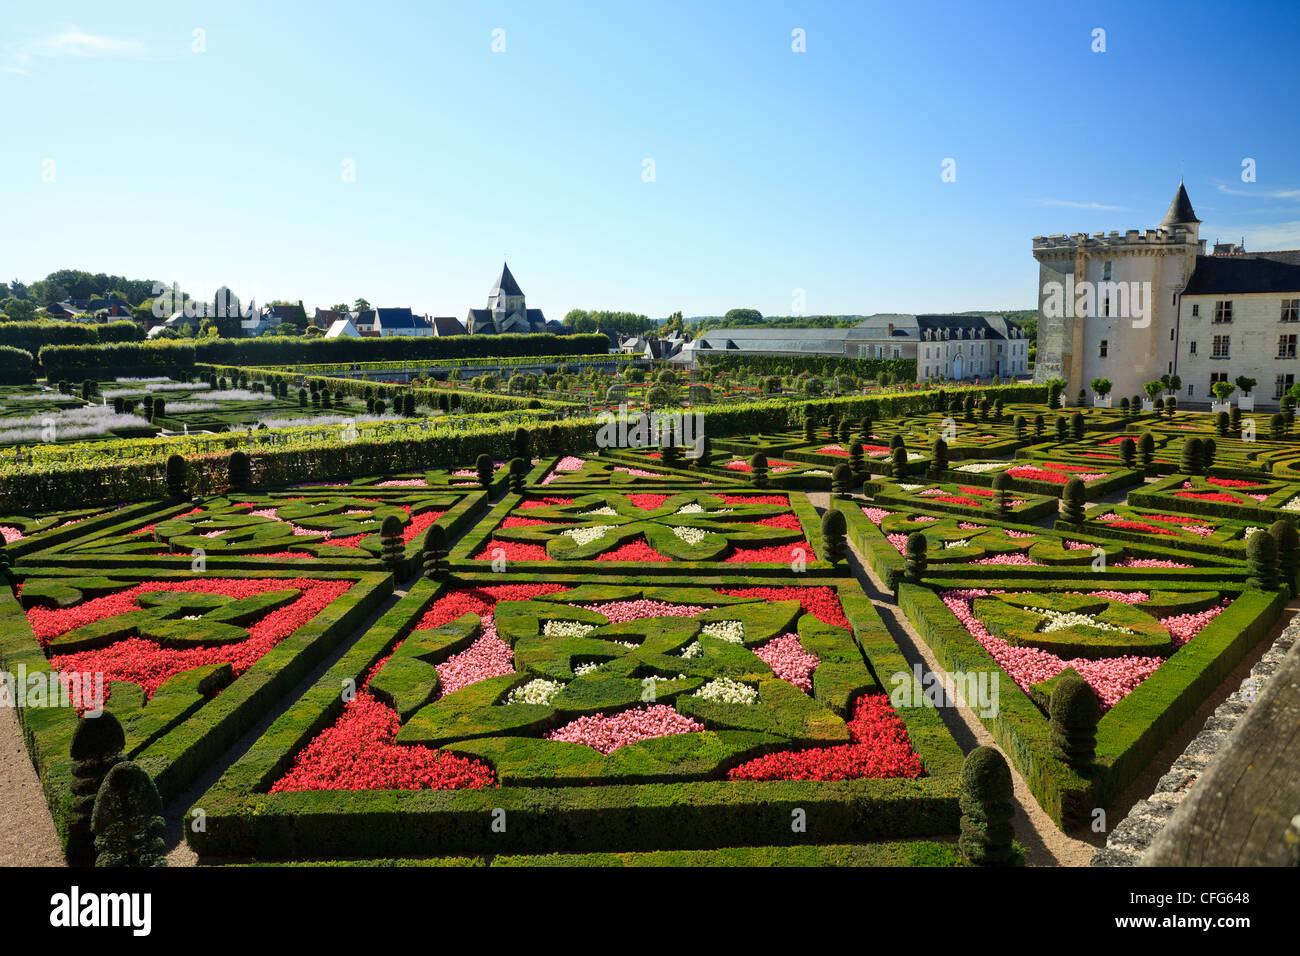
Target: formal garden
{"type": "Point", "coordinates": [477, 631]}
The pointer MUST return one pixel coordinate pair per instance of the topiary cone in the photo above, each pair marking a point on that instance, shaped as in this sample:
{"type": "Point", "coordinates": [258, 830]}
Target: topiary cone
{"type": "Point", "coordinates": [987, 809]}
{"type": "Point", "coordinates": [1073, 713]}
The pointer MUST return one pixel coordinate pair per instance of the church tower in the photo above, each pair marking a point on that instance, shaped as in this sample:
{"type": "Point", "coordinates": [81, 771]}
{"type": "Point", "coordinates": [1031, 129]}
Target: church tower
{"type": "Point", "coordinates": [506, 299]}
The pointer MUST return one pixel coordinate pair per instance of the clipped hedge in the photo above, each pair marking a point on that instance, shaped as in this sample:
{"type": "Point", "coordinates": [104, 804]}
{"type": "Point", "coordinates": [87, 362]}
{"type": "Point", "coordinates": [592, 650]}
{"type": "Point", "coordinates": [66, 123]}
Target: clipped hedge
{"type": "Point", "coordinates": [165, 357]}
{"type": "Point", "coordinates": [16, 366]}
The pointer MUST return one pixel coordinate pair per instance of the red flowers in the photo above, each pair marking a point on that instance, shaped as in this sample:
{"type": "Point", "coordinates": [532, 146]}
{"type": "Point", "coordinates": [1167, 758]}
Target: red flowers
{"type": "Point", "coordinates": [145, 663]}
{"type": "Point", "coordinates": [821, 602]}
{"type": "Point", "coordinates": [357, 753]}
{"type": "Point", "coordinates": [512, 551]}
{"type": "Point", "coordinates": [647, 501]}
{"type": "Point", "coordinates": [880, 748]}
{"type": "Point", "coordinates": [1209, 496]}
{"type": "Point", "coordinates": [1233, 483]}
{"type": "Point", "coordinates": [638, 549]}
{"type": "Point", "coordinates": [781, 500]}
{"type": "Point", "coordinates": [782, 553]}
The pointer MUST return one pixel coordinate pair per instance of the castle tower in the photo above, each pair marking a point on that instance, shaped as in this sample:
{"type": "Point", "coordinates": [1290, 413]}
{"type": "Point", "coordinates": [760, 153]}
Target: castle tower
{"type": "Point", "coordinates": [1108, 303]}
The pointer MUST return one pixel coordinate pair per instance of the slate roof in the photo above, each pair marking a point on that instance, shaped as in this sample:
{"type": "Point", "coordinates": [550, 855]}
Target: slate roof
{"type": "Point", "coordinates": [400, 319]}
{"type": "Point", "coordinates": [506, 283]}
{"type": "Point", "coordinates": [1180, 210]}
{"type": "Point", "coordinates": [447, 325]}
{"type": "Point", "coordinates": [1235, 274]}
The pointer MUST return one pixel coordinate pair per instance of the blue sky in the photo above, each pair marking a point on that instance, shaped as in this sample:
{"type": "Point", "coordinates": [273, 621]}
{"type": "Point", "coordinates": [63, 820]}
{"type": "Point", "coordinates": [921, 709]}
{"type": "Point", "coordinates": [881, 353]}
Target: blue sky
{"type": "Point", "coordinates": [773, 170]}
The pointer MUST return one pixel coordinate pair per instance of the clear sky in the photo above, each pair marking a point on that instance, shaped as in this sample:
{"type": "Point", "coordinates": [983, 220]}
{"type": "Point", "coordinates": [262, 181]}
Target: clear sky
{"type": "Point", "coordinates": [774, 170]}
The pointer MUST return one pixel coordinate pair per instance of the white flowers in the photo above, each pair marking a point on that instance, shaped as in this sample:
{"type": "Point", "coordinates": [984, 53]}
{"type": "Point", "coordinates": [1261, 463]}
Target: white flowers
{"type": "Point", "coordinates": [731, 631]}
{"type": "Point", "coordinates": [587, 668]}
{"type": "Point", "coordinates": [979, 467]}
{"type": "Point", "coordinates": [1060, 620]}
{"type": "Point", "coordinates": [606, 511]}
{"type": "Point", "coordinates": [1292, 505]}
{"type": "Point", "coordinates": [910, 487]}
{"type": "Point", "coordinates": [587, 535]}
{"type": "Point", "coordinates": [689, 535]}
{"type": "Point", "coordinates": [690, 509]}
{"type": "Point", "coordinates": [539, 691]}
{"type": "Point", "coordinates": [567, 629]}
{"type": "Point", "coordinates": [723, 690]}
{"type": "Point", "coordinates": [692, 650]}
{"type": "Point", "coordinates": [961, 543]}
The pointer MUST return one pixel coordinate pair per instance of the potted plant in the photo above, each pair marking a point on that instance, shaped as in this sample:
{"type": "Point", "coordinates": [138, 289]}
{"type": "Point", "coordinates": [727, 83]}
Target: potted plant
{"type": "Point", "coordinates": [1246, 401]}
{"type": "Point", "coordinates": [1221, 391]}
{"type": "Point", "coordinates": [1153, 389]}
{"type": "Point", "coordinates": [1101, 392]}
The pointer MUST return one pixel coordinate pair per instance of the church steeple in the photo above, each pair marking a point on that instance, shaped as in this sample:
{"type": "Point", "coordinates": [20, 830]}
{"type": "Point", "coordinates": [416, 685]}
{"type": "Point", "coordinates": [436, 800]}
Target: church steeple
{"type": "Point", "coordinates": [1180, 211]}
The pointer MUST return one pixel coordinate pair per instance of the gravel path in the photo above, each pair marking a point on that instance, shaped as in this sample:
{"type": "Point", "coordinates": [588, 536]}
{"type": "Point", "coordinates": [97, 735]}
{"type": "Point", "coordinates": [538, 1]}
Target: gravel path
{"type": "Point", "coordinates": [27, 836]}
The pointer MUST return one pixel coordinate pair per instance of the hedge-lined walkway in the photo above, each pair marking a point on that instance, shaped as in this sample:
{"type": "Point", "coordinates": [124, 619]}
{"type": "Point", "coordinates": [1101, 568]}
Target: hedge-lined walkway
{"type": "Point", "coordinates": [1044, 843]}
{"type": "Point", "coordinates": [27, 835]}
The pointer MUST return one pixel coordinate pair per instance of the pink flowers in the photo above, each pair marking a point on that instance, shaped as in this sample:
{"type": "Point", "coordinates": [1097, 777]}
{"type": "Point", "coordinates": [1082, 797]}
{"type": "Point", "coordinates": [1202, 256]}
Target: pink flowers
{"type": "Point", "coordinates": [607, 733]}
{"type": "Point", "coordinates": [789, 661]}
{"type": "Point", "coordinates": [880, 748]}
{"type": "Point", "coordinates": [1150, 563]}
{"type": "Point", "coordinates": [876, 515]}
{"type": "Point", "coordinates": [488, 656]}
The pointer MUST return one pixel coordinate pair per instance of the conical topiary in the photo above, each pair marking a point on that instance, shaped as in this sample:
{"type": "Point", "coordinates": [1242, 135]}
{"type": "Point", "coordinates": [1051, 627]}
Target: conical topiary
{"type": "Point", "coordinates": [1002, 494]}
{"type": "Point", "coordinates": [898, 462]}
{"type": "Point", "coordinates": [1286, 543]}
{"type": "Point", "coordinates": [1191, 457]}
{"type": "Point", "coordinates": [484, 467]}
{"type": "Point", "coordinates": [987, 809]}
{"type": "Point", "coordinates": [1261, 561]}
{"type": "Point", "coordinates": [96, 746]}
{"type": "Point", "coordinates": [518, 475]}
{"type": "Point", "coordinates": [842, 480]}
{"type": "Point", "coordinates": [1072, 502]}
{"type": "Point", "coordinates": [758, 464]}
{"type": "Point", "coordinates": [435, 553]}
{"type": "Point", "coordinates": [915, 555]}
{"type": "Point", "coordinates": [127, 820]}
{"type": "Point", "coordinates": [1128, 453]}
{"type": "Point", "coordinates": [391, 546]}
{"type": "Point", "coordinates": [178, 478]}
{"type": "Point", "coordinates": [834, 541]}
{"type": "Point", "coordinates": [239, 471]}
{"type": "Point", "coordinates": [938, 457]}
{"type": "Point", "coordinates": [1073, 714]}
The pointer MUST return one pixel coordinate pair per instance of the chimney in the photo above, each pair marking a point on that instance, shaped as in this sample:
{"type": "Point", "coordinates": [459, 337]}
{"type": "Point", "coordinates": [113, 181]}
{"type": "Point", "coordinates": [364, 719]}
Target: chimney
{"type": "Point", "coordinates": [891, 328]}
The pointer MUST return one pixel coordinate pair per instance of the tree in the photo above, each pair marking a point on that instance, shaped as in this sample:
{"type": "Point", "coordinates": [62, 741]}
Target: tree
{"type": "Point", "coordinates": [1245, 384]}
{"type": "Point", "coordinates": [18, 310]}
{"type": "Point", "coordinates": [1101, 387]}
{"type": "Point", "coordinates": [96, 748]}
{"type": "Point", "coordinates": [758, 466]}
{"type": "Point", "coordinates": [743, 315]}
{"type": "Point", "coordinates": [1261, 561]}
{"type": "Point", "coordinates": [361, 305]}
{"type": "Point", "coordinates": [1222, 390]}
{"type": "Point", "coordinates": [1002, 493]}
{"type": "Point", "coordinates": [1072, 502]}
{"type": "Point", "coordinates": [914, 553]}
{"type": "Point", "coordinates": [834, 529]}
{"type": "Point", "coordinates": [1153, 389]}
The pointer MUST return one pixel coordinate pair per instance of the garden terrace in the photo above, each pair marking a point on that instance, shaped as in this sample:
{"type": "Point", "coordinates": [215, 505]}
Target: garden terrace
{"type": "Point", "coordinates": [1032, 630]}
{"type": "Point", "coordinates": [1257, 500]}
{"type": "Point", "coordinates": [985, 549]}
{"type": "Point", "coordinates": [189, 663]}
{"type": "Point", "coordinates": [319, 528]}
{"type": "Point", "coordinates": [534, 694]}
{"type": "Point", "coordinates": [659, 532]}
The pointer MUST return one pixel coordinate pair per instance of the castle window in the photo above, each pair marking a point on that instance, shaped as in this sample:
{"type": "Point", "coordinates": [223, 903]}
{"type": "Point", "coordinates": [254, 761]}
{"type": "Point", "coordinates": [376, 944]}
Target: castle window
{"type": "Point", "coordinates": [1223, 310]}
{"type": "Point", "coordinates": [1291, 310]}
{"type": "Point", "coordinates": [1105, 308]}
{"type": "Point", "coordinates": [1103, 348]}
{"type": "Point", "coordinates": [1216, 377]}
{"type": "Point", "coordinates": [1191, 348]}
{"type": "Point", "coordinates": [1105, 271]}
{"type": "Point", "coordinates": [1286, 346]}
{"type": "Point", "coordinates": [1282, 384]}
{"type": "Point", "coordinates": [1219, 348]}
{"type": "Point", "coordinates": [1196, 310]}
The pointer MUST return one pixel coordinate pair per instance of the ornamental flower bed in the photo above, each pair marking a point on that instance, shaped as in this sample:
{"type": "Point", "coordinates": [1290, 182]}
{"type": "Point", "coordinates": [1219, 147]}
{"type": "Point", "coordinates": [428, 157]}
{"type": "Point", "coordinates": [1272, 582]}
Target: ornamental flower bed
{"type": "Point", "coordinates": [541, 681]}
{"type": "Point", "coordinates": [1262, 501]}
{"type": "Point", "coordinates": [321, 524]}
{"type": "Point", "coordinates": [959, 498]}
{"type": "Point", "coordinates": [647, 529]}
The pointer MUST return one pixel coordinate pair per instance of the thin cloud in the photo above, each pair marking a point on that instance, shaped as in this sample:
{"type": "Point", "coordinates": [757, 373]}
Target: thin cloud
{"type": "Point", "coordinates": [1070, 204]}
{"type": "Point", "coordinates": [1263, 238]}
{"type": "Point", "coordinates": [1259, 194]}
{"type": "Point", "coordinates": [71, 41]}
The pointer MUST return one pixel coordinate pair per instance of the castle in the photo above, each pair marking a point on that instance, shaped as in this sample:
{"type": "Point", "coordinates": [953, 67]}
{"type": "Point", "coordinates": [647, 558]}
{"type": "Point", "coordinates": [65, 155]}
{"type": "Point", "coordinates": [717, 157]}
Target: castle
{"type": "Point", "coordinates": [1134, 307]}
